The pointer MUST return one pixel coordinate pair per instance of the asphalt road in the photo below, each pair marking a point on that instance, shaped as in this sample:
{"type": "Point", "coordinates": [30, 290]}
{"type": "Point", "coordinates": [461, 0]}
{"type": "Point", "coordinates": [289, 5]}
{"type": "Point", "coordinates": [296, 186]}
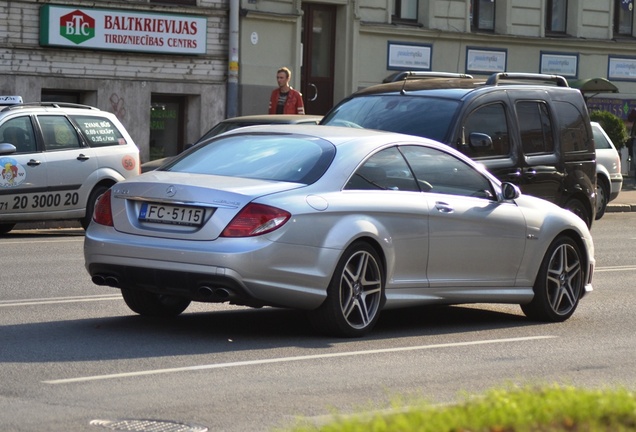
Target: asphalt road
{"type": "Point", "coordinates": [72, 354]}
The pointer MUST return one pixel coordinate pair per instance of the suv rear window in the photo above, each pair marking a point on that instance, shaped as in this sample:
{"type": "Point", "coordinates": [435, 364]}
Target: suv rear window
{"type": "Point", "coordinates": [573, 131]}
{"type": "Point", "coordinates": [99, 131]}
{"type": "Point", "coordinates": [413, 115]}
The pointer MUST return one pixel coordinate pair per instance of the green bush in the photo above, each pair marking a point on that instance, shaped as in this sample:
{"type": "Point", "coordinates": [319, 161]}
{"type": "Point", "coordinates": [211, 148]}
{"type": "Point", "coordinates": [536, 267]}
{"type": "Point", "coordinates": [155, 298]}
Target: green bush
{"type": "Point", "coordinates": [613, 126]}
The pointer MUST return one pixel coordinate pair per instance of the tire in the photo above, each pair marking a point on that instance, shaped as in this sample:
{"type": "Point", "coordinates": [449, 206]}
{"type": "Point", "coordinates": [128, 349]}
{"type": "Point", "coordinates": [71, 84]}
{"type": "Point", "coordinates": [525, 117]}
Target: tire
{"type": "Point", "coordinates": [90, 204]}
{"type": "Point", "coordinates": [602, 197]}
{"type": "Point", "coordinates": [579, 209]}
{"type": "Point", "coordinates": [559, 284]}
{"type": "Point", "coordinates": [5, 228]}
{"type": "Point", "coordinates": [154, 305]}
{"type": "Point", "coordinates": [355, 294]}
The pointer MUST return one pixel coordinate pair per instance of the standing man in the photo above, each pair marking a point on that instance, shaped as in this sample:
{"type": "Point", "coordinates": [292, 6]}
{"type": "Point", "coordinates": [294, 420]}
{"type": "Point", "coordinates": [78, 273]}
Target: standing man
{"type": "Point", "coordinates": [285, 100]}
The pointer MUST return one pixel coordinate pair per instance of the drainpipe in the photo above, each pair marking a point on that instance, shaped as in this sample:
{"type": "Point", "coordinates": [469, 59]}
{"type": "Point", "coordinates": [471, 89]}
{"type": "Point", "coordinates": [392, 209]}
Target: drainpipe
{"type": "Point", "coordinates": [231, 108]}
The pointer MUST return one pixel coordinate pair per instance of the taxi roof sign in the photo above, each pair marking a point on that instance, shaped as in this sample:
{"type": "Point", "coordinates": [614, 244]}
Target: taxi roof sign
{"type": "Point", "coordinates": [10, 100]}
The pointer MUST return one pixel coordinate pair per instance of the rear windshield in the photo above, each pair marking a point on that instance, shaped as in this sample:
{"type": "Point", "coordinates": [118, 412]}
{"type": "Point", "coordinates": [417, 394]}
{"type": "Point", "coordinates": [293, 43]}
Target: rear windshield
{"type": "Point", "coordinates": [414, 115]}
{"type": "Point", "coordinates": [277, 157]}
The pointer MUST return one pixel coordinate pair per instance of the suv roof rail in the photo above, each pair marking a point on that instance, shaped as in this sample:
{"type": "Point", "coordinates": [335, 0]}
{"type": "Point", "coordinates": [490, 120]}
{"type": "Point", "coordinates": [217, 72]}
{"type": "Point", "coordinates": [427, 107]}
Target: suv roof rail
{"type": "Point", "coordinates": [558, 80]}
{"type": "Point", "coordinates": [51, 104]}
{"type": "Point", "coordinates": [405, 75]}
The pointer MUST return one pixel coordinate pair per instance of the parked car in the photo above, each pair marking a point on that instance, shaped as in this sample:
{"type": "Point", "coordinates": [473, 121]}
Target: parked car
{"type": "Point", "coordinates": [236, 122]}
{"type": "Point", "coordinates": [339, 222]}
{"type": "Point", "coordinates": [57, 158]}
{"type": "Point", "coordinates": [609, 180]}
{"type": "Point", "coordinates": [528, 129]}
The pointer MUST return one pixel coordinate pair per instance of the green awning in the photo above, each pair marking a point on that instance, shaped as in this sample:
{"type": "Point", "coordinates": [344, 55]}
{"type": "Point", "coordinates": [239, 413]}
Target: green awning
{"type": "Point", "coordinates": [594, 85]}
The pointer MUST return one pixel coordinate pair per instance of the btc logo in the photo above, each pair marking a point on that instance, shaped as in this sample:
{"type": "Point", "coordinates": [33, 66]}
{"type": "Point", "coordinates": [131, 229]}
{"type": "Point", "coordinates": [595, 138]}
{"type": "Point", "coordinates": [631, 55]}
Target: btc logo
{"type": "Point", "coordinates": [77, 27]}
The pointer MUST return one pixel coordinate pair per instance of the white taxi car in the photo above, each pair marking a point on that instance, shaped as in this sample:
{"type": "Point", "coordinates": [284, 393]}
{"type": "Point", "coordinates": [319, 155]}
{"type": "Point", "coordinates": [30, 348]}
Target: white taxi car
{"type": "Point", "coordinates": [56, 159]}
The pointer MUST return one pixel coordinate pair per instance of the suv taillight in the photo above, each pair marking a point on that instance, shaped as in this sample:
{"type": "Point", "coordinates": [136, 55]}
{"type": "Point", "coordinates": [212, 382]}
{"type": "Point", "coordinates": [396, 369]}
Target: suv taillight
{"type": "Point", "coordinates": [256, 219]}
{"type": "Point", "coordinates": [103, 214]}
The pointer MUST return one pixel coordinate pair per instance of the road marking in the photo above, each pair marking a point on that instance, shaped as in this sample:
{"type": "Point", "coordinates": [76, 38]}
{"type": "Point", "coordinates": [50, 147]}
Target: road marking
{"type": "Point", "coordinates": [288, 359]}
{"type": "Point", "coordinates": [24, 241]}
{"type": "Point", "coordinates": [55, 300]}
{"type": "Point", "coordinates": [614, 268]}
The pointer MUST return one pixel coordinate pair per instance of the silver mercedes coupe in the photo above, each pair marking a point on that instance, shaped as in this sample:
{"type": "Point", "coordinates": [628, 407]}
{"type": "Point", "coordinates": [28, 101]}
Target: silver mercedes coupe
{"type": "Point", "coordinates": [339, 222]}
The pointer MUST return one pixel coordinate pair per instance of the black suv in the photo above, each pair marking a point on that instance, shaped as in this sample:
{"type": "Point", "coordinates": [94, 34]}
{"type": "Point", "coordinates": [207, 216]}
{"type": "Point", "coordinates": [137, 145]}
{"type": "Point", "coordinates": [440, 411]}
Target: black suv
{"type": "Point", "coordinates": [529, 129]}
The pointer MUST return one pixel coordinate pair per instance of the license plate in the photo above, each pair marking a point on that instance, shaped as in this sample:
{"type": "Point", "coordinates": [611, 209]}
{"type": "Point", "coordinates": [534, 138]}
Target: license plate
{"type": "Point", "coordinates": [173, 215]}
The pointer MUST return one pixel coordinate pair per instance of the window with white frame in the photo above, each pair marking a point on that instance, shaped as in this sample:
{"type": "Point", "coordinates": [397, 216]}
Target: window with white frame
{"type": "Point", "coordinates": [482, 14]}
{"type": "Point", "coordinates": [556, 16]}
{"type": "Point", "coordinates": [405, 10]}
{"type": "Point", "coordinates": [623, 17]}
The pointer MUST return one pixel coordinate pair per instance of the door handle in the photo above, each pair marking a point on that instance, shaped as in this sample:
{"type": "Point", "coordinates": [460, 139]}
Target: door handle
{"type": "Point", "coordinates": [315, 92]}
{"type": "Point", "coordinates": [82, 157]}
{"type": "Point", "coordinates": [33, 162]}
{"type": "Point", "coordinates": [443, 207]}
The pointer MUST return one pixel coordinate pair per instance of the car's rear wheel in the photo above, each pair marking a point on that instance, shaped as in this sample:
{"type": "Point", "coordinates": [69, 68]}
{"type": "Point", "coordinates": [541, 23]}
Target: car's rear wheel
{"type": "Point", "coordinates": [90, 204]}
{"type": "Point", "coordinates": [602, 197]}
{"type": "Point", "coordinates": [156, 305]}
{"type": "Point", "coordinates": [5, 228]}
{"type": "Point", "coordinates": [579, 209]}
{"type": "Point", "coordinates": [355, 294]}
{"type": "Point", "coordinates": [559, 284]}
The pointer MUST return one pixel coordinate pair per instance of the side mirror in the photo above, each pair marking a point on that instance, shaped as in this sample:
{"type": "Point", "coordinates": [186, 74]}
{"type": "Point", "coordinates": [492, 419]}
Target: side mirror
{"type": "Point", "coordinates": [510, 191]}
{"type": "Point", "coordinates": [6, 148]}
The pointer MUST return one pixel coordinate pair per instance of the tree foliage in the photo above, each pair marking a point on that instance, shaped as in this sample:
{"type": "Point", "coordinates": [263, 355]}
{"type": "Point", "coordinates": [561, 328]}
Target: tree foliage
{"type": "Point", "coordinates": [613, 126]}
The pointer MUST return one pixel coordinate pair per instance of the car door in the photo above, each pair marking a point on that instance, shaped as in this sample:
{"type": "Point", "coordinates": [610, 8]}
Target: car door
{"type": "Point", "coordinates": [23, 175]}
{"type": "Point", "coordinates": [474, 239]}
{"type": "Point", "coordinates": [69, 162]}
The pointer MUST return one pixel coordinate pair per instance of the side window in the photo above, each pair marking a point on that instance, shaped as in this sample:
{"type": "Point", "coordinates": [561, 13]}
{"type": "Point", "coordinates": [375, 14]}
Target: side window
{"type": "Point", "coordinates": [572, 130]}
{"type": "Point", "coordinates": [623, 17]}
{"type": "Point", "coordinates": [58, 133]}
{"type": "Point", "coordinates": [486, 132]}
{"type": "Point", "coordinates": [385, 170]}
{"type": "Point", "coordinates": [535, 127]}
{"type": "Point", "coordinates": [556, 16]}
{"type": "Point", "coordinates": [440, 172]}
{"type": "Point", "coordinates": [99, 131]}
{"type": "Point", "coordinates": [405, 10]}
{"type": "Point", "coordinates": [19, 132]}
{"type": "Point", "coordinates": [482, 14]}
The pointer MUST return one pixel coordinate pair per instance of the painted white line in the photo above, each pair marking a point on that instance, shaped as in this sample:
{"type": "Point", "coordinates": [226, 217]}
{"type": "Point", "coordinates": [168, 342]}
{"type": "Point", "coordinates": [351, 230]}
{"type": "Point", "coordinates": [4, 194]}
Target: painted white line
{"type": "Point", "coordinates": [287, 359]}
{"type": "Point", "coordinates": [31, 241]}
{"type": "Point", "coordinates": [56, 300]}
{"type": "Point", "coordinates": [614, 268]}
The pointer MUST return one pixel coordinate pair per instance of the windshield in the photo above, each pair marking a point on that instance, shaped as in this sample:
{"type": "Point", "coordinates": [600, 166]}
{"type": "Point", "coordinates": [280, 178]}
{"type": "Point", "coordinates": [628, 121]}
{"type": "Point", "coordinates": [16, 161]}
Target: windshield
{"type": "Point", "coordinates": [414, 115]}
{"type": "Point", "coordinates": [277, 157]}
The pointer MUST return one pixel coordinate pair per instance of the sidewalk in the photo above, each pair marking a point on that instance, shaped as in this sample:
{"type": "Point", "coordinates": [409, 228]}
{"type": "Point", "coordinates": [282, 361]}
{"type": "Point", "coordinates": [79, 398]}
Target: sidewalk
{"type": "Point", "coordinates": [626, 200]}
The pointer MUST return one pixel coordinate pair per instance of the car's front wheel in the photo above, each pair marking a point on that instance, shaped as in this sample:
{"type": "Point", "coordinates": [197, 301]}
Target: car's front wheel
{"type": "Point", "coordinates": [5, 228]}
{"type": "Point", "coordinates": [559, 284]}
{"type": "Point", "coordinates": [156, 305]}
{"type": "Point", "coordinates": [355, 294]}
{"type": "Point", "coordinates": [602, 197]}
{"type": "Point", "coordinates": [579, 209]}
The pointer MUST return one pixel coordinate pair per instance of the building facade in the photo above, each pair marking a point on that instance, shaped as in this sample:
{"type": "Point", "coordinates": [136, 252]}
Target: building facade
{"type": "Point", "coordinates": [161, 67]}
{"type": "Point", "coordinates": [340, 46]}
{"type": "Point", "coordinates": [166, 67]}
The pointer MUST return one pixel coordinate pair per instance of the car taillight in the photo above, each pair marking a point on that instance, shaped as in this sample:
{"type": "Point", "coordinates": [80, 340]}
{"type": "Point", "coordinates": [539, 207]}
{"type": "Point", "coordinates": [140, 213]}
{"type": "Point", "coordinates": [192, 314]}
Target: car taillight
{"type": "Point", "coordinates": [256, 219]}
{"type": "Point", "coordinates": [103, 214]}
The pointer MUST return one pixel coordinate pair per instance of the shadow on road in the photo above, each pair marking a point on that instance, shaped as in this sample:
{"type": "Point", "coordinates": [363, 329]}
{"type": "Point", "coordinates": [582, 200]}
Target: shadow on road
{"type": "Point", "coordinates": [131, 337]}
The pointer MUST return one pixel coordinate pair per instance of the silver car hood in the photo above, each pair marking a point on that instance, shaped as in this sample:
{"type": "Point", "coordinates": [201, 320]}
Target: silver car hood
{"type": "Point", "coordinates": [221, 198]}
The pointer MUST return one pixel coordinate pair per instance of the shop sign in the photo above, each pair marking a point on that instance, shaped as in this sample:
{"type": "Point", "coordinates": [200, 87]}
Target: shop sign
{"type": "Point", "coordinates": [485, 60]}
{"type": "Point", "coordinates": [122, 30]}
{"type": "Point", "coordinates": [621, 68]}
{"type": "Point", "coordinates": [562, 64]}
{"type": "Point", "coordinates": [406, 56]}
